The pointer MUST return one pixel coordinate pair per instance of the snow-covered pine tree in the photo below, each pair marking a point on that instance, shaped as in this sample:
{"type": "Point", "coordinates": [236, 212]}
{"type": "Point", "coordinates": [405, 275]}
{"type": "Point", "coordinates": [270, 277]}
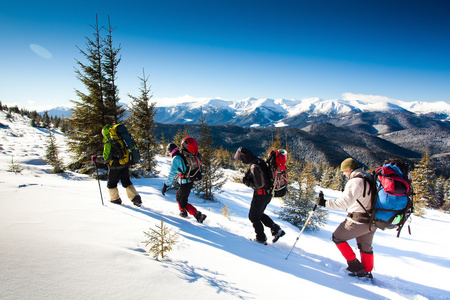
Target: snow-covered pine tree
{"type": "Point", "coordinates": [327, 178]}
{"type": "Point", "coordinates": [214, 178]}
{"type": "Point", "coordinates": [439, 192]}
{"type": "Point", "coordinates": [52, 154]}
{"type": "Point", "coordinates": [45, 123]}
{"type": "Point", "coordinates": [423, 179]}
{"type": "Point", "coordinates": [339, 180]}
{"type": "Point", "coordinates": [142, 126]}
{"type": "Point", "coordinates": [446, 205]}
{"type": "Point", "coordinates": [300, 199]}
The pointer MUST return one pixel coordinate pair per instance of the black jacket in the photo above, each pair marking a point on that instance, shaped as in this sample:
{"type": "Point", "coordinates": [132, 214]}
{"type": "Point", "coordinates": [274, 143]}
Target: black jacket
{"type": "Point", "coordinates": [256, 175]}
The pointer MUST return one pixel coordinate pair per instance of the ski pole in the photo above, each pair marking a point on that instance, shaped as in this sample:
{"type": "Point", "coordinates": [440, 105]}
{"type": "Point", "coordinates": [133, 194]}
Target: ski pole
{"type": "Point", "coordinates": [98, 180]}
{"type": "Point", "coordinates": [304, 226]}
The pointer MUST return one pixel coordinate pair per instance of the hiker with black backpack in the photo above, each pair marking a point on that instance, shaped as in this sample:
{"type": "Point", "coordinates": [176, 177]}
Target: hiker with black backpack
{"type": "Point", "coordinates": [179, 169]}
{"type": "Point", "coordinates": [117, 157]}
{"type": "Point", "coordinates": [257, 177]}
{"type": "Point", "coordinates": [356, 200]}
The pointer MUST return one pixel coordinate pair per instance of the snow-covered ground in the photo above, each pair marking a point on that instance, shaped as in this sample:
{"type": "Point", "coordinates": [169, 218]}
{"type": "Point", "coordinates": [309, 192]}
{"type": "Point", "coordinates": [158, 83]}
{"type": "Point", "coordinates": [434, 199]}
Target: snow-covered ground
{"type": "Point", "coordinates": [57, 241]}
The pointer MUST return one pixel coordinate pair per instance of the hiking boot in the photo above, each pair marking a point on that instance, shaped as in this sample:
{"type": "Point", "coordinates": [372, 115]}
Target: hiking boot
{"type": "Point", "coordinates": [199, 217]}
{"type": "Point", "coordinates": [183, 213]}
{"type": "Point", "coordinates": [361, 274]}
{"type": "Point", "coordinates": [263, 242]}
{"type": "Point", "coordinates": [355, 266]}
{"type": "Point", "coordinates": [118, 201]}
{"type": "Point", "coordinates": [137, 200]}
{"type": "Point", "coordinates": [279, 234]}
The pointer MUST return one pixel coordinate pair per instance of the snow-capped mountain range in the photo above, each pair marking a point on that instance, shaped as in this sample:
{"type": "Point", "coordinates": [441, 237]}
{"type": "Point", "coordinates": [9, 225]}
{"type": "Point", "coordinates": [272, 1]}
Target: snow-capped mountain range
{"type": "Point", "coordinates": [266, 112]}
{"type": "Point", "coordinates": [252, 112]}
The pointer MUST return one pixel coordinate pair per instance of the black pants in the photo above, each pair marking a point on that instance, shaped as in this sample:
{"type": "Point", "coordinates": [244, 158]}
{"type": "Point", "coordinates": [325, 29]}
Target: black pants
{"type": "Point", "coordinates": [257, 216]}
{"type": "Point", "coordinates": [183, 194]}
{"type": "Point", "coordinates": [116, 174]}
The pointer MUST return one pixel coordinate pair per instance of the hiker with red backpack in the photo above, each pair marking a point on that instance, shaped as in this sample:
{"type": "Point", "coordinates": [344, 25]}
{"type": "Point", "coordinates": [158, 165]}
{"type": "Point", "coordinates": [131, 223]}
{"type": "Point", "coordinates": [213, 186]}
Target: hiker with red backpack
{"type": "Point", "coordinates": [257, 177]}
{"type": "Point", "coordinates": [186, 173]}
{"type": "Point", "coordinates": [356, 200]}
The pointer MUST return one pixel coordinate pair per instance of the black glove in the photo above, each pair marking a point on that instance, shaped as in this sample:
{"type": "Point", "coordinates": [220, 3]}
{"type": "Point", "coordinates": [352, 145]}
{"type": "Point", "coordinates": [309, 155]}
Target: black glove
{"type": "Point", "coordinates": [320, 200]}
{"type": "Point", "coordinates": [164, 189]}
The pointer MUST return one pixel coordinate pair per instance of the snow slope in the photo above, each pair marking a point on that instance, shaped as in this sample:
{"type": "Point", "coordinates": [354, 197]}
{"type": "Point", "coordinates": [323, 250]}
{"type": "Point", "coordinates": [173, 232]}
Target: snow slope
{"type": "Point", "coordinates": [59, 242]}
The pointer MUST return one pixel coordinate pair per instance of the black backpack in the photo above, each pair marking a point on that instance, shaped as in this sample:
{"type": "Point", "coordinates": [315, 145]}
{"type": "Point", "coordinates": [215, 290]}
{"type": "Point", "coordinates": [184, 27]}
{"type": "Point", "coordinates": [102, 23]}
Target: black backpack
{"type": "Point", "coordinates": [123, 142]}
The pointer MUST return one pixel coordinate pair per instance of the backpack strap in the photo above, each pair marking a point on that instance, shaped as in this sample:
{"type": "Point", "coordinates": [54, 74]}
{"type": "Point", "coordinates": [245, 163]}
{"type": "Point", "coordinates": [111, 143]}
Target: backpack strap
{"type": "Point", "coordinates": [370, 213]}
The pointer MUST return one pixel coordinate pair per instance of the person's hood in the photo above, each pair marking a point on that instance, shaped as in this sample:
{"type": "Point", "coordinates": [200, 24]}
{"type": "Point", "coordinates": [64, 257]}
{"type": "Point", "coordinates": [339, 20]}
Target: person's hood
{"type": "Point", "coordinates": [105, 132]}
{"type": "Point", "coordinates": [244, 155]}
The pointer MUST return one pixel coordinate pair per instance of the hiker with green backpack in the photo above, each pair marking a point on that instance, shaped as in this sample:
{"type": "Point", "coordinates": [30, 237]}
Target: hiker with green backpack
{"type": "Point", "coordinates": [118, 145]}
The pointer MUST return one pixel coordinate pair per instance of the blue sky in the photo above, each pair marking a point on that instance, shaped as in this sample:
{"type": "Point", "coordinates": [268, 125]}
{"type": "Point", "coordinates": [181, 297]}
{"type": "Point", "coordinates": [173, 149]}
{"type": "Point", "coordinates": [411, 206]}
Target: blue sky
{"type": "Point", "coordinates": [232, 49]}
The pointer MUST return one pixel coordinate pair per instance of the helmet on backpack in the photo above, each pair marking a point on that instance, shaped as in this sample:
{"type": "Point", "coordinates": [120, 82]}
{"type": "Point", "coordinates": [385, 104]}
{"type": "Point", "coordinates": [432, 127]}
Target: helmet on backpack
{"type": "Point", "coordinates": [190, 144]}
{"type": "Point", "coordinates": [280, 159]}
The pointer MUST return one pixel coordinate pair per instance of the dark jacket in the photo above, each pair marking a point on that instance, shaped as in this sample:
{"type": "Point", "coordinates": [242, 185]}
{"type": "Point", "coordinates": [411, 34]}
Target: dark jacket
{"type": "Point", "coordinates": [256, 175]}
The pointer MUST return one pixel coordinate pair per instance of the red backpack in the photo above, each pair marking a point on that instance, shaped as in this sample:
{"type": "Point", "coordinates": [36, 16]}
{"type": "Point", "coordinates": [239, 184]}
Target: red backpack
{"type": "Point", "coordinates": [277, 174]}
{"type": "Point", "coordinates": [192, 159]}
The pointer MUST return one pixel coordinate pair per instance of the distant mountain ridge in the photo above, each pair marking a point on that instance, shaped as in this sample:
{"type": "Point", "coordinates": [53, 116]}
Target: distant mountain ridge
{"type": "Point", "coordinates": [279, 112]}
{"type": "Point", "coordinates": [319, 130]}
{"type": "Point", "coordinates": [266, 112]}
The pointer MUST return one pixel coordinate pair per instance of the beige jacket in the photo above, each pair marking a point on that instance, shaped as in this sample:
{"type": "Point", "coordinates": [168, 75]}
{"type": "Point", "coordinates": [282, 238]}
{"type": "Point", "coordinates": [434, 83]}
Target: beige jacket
{"type": "Point", "coordinates": [354, 190]}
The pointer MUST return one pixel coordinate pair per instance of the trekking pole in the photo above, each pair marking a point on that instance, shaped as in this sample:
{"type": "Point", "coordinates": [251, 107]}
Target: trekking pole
{"type": "Point", "coordinates": [304, 226]}
{"type": "Point", "coordinates": [98, 180]}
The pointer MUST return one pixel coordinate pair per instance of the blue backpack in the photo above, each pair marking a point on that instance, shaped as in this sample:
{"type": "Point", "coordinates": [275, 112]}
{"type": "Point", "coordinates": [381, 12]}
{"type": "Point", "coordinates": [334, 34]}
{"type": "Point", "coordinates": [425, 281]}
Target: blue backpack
{"type": "Point", "coordinates": [392, 202]}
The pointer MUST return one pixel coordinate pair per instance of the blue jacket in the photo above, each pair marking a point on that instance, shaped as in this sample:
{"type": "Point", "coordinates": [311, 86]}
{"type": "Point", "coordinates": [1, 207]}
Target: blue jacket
{"type": "Point", "coordinates": [177, 165]}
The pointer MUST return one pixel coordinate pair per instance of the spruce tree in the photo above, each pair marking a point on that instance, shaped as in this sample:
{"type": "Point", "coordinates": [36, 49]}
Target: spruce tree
{"type": "Point", "coordinates": [162, 145]}
{"type": "Point", "coordinates": [423, 179]}
{"type": "Point", "coordinates": [439, 192]}
{"type": "Point", "coordinates": [114, 111]}
{"type": "Point", "coordinates": [178, 138]}
{"type": "Point", "coordinates": [45, 121]}
{"type": "Point", "coordinates": [52, 154]}
{"type": "Point", "coordinates": [446, 204]}
{"type": "Point", "coordinates": [214, 178]}
{"type": "Point", "coordinates": [274, 145]}
{"type": "Point", "coordinates": [300, 199]}
{"type": "Point", "coordinates": [339, 180]}
{"type": "Point", "coordinates": [327, 178]}
{"type": "Point", "coordinates": [142, 126]}
{"type": "Point", "coordinates": [90, 112]}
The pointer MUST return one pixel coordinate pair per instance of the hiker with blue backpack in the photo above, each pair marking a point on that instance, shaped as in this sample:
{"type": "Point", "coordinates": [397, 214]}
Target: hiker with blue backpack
{"type": "Point", "coordinates": [380, 200]}
{"type": "Point", "coordinates": [357, 202]}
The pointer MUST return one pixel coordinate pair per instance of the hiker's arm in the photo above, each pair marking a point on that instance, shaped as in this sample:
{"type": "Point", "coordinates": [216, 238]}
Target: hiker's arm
{"type": "Point", "coordinates": [348, 197]}
{"type": "Point", "coordinates": [176, 164]}
{"type": "Point", "coordinates": [258, 177]}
